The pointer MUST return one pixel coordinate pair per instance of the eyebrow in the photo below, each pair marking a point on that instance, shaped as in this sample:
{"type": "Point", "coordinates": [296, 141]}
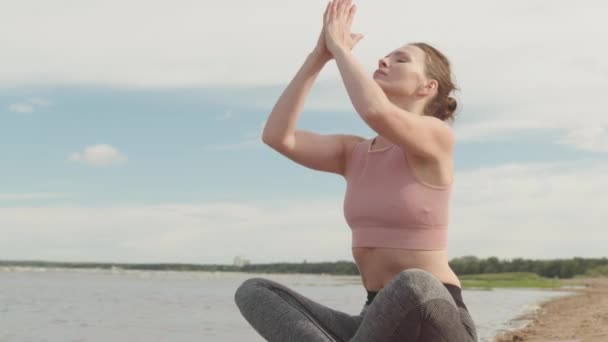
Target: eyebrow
{"type": "Point", "coordinates": [399, 52]}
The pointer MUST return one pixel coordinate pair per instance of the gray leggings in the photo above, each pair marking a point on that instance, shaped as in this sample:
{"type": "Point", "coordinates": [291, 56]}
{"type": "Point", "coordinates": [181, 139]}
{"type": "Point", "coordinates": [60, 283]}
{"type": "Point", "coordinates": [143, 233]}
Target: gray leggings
{"type": "Point", "coordinates": [413, 306]}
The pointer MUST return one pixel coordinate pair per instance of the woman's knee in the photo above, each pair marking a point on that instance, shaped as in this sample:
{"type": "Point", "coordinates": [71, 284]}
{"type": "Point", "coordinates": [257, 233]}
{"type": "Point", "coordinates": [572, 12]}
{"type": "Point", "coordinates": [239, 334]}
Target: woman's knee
{"type": "Point", "coordinates": [415, 282]}
{"type": "Point", "coordinates": [412, 276]}
{"type": "Point", "coordinates": [248, 289]}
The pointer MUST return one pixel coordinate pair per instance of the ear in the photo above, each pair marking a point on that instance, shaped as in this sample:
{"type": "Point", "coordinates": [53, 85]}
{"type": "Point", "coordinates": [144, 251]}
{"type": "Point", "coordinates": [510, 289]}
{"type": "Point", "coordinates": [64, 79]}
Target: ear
{"type": "Point", "coordinates": [429, 87]}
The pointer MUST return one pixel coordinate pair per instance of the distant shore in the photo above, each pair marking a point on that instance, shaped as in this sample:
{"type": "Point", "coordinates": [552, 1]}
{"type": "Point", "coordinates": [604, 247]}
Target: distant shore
{"type": "Point", "coordinates": [582, 316]}
{"type": "Point", "coordinates": [339, 268]}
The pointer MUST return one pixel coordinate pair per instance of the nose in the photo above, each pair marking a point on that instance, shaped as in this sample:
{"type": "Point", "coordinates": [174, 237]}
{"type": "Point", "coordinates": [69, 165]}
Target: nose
{"type": "Point", "coordinates": [382, 63]}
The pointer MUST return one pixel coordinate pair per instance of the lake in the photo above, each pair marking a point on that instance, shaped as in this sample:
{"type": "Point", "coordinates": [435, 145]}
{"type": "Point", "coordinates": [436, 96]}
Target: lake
{"type": "Point", "coordinates": [55, 304]}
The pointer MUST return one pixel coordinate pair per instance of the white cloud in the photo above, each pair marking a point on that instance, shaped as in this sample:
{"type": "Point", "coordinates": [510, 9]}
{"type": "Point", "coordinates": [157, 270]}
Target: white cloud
{"type": "Point", "coordinates": [224, 53]}
{"type": "Point", "coordinates": [536, 210]}
{"type": "Point", "coordinates": [590, 138]}
{"type": "Point", "coordinates": [250, 139]}
{"type": "Point", "coordinates": [28, 107]}
{"type": "Point", "coordinates": [39, 101]}
{"type": "Point", "coordinates": [226, 116]}
{"type": "Point", "coordinates": [516, 210]}
{"type": "Point", "coordinates": [203, 233]}
{"type": "Point", "coordinates": [513, 77]}
{"type": "Point", "coordinates": [28, 196]}
{"type": "Point", "coordinates": [21, 108]}
{"type": "Point", "coordinates": [99, 155]}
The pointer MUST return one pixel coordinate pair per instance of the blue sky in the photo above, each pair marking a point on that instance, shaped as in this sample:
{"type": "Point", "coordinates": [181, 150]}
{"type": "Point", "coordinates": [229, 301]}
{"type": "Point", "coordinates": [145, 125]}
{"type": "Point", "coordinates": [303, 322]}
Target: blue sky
{"type": "Point", "coordinates": [141, 143]}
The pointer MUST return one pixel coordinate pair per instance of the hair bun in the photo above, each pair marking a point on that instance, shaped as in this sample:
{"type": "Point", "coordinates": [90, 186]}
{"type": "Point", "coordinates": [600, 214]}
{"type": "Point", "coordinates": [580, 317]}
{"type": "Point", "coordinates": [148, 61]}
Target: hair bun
{"type": "Point", "coordinates": [450, 106]}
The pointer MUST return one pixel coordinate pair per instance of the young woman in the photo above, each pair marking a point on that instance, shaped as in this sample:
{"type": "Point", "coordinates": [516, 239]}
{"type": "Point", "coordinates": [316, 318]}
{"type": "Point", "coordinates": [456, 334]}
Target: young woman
{"type": "Point", "coordinates": [396, 203]}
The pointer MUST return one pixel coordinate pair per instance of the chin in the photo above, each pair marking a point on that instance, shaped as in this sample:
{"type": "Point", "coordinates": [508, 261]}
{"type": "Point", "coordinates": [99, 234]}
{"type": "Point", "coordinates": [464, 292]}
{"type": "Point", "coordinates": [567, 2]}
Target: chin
{"type": "Point", "coordinates": [377, 80]}
{"type": "Point", "coordinates": [382, 86]}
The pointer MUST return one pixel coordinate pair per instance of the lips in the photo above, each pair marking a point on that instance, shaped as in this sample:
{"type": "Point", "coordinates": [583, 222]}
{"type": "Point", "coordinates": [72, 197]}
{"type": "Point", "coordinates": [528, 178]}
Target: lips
{"type": "Point", "coordinates": [379, 71]}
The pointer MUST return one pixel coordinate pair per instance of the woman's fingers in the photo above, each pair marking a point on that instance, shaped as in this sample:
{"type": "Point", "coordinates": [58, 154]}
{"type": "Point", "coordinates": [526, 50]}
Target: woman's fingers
{"type": "Point", "coordinates": [346, 4]}
{"type": "Point", "coordinates": [351, 15]}
{"type": "Point", "coordinates": [340, 9]}
{"type": "Point", "coordinates": [333, 9]}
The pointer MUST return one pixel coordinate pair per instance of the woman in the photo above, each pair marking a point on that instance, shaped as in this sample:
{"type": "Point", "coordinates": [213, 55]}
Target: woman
{"type": "Point", "coordinates": [396, 202]}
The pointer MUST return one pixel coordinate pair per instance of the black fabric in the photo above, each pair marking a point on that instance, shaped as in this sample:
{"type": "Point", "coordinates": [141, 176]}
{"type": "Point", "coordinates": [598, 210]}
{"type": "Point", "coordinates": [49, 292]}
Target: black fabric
{"type": "Point", "coordinates": [456, 293]}
{"type": "Point", "coordinates": [370, 296]}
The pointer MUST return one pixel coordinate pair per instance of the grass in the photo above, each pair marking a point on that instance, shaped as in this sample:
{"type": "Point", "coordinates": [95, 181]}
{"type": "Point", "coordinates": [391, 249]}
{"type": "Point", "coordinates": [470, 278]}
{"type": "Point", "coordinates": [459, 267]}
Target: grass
{"type": "Point", "coordinates": [510, 280]}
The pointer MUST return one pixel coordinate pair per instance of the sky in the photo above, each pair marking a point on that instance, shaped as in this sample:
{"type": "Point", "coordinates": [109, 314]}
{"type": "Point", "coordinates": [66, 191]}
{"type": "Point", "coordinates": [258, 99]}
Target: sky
{"type": "Point", "coordinates": [131, 130]}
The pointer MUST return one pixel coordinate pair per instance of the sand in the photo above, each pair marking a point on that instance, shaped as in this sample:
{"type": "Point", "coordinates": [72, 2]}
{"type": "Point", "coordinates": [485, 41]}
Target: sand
{"type": "Point", "coordinates": [580, 317]}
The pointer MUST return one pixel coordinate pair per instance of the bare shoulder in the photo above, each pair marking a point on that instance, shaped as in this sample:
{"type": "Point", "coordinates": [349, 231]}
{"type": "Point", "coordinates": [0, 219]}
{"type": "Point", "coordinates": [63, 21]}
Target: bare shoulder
{"type": "Point", "coordinates": [442, 137]}
{"type": "Point", "coordinates": [442, 129]}
{"type": "Point", "coordinates": [350, 141]}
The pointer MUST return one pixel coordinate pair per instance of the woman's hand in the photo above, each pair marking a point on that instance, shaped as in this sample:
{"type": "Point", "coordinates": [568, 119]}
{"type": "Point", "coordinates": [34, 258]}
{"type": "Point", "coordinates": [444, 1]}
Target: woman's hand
{"type": "Point", "coordinates": [321, 49]}
{"type": "Point", "coordinates": [337, 22]}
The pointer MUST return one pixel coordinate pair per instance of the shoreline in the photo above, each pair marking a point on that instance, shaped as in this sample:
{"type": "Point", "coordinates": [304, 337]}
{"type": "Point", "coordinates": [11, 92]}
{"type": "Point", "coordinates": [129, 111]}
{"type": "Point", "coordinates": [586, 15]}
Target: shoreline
{"type": "Point", "coordinates": [576, 317]}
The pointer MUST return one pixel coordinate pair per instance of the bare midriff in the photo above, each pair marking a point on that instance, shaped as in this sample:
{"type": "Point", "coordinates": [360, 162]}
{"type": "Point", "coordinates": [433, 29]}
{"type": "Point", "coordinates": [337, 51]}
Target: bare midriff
{"type": "Point", "coordinates": [378, 266]}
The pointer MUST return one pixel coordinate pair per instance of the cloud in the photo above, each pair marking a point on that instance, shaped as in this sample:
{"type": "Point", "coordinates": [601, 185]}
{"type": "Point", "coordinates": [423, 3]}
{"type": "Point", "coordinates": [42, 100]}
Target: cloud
{"type": "Point", "coordinates": [39, 102]}
{"type": "Point", "coordinates": [207, 42]}
{"type": "Point", "coordinates": [226, 116]}
{"type": "Point", "coordinates": [589, 138]}
{"type": "Point", "coordinates": [99, 155]}
{"type": "Point", "coordinates": [21, 108]}
{"type": "Point", "coordinates": [28, 107]}
{"type": "Point", "coordinates": [497, 129]}
{"type": "Point", "coordinates": [251, 139]}
{"type": "Point", "coordinates": [537, 210]}
{"type": "Point", "coordinates": [199, 233]}
{"type": "Point", "coordinates": [513, 78]}
{"type": "Point", "coordinates": [28, 196]}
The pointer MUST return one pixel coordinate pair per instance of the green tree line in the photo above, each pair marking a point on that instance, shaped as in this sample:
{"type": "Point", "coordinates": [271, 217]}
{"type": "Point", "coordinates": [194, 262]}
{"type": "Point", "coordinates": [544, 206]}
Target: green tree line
{"type": "Point", "coordinates": [560, 268]}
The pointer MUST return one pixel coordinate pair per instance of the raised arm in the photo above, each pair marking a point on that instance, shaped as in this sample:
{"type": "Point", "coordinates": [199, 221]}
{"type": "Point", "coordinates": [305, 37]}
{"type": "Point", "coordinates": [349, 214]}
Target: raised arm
{"type": "Point", "coordinates": [316, 151]}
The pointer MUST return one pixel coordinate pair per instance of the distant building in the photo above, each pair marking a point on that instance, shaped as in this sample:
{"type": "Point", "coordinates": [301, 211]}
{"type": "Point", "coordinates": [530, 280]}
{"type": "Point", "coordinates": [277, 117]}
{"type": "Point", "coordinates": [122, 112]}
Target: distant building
{"type": "Point", "coordinates": [238, 261]}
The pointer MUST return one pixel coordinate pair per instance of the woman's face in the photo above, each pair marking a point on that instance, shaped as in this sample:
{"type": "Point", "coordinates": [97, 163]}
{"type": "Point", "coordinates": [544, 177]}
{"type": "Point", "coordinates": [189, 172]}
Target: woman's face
{"type": "Point", "coordinates": [402, 72]}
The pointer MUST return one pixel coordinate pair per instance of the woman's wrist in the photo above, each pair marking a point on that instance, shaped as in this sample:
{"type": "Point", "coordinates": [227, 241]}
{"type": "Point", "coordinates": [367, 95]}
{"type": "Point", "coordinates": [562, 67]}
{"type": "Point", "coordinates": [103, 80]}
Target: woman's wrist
{"type": "Point", "coordinates": [320, 56]}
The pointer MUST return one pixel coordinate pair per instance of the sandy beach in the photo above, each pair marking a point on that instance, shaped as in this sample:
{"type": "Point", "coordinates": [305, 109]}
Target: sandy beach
{"type": "Point", "coordinates": [581, 317]}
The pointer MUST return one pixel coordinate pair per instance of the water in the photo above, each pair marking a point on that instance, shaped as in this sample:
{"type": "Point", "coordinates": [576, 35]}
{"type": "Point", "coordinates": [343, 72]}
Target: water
{"type": "Point", "coordinates": [69, 305]}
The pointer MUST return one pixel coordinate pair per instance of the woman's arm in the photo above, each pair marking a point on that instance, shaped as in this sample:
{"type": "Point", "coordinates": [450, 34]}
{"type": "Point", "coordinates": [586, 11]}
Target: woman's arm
{"type": "Point", "coordinates": [281, 124]}
{"type": "Point", "coordinates": [321, 152]}
{"type": "Point", "coordinates": [365, 94]}
{"type": "Point", "coordinates": [424, 136]}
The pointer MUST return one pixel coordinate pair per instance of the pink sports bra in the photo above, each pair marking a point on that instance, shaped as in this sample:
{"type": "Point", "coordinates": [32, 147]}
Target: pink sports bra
{"type": "Point", "coordinates": [385, 205]}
